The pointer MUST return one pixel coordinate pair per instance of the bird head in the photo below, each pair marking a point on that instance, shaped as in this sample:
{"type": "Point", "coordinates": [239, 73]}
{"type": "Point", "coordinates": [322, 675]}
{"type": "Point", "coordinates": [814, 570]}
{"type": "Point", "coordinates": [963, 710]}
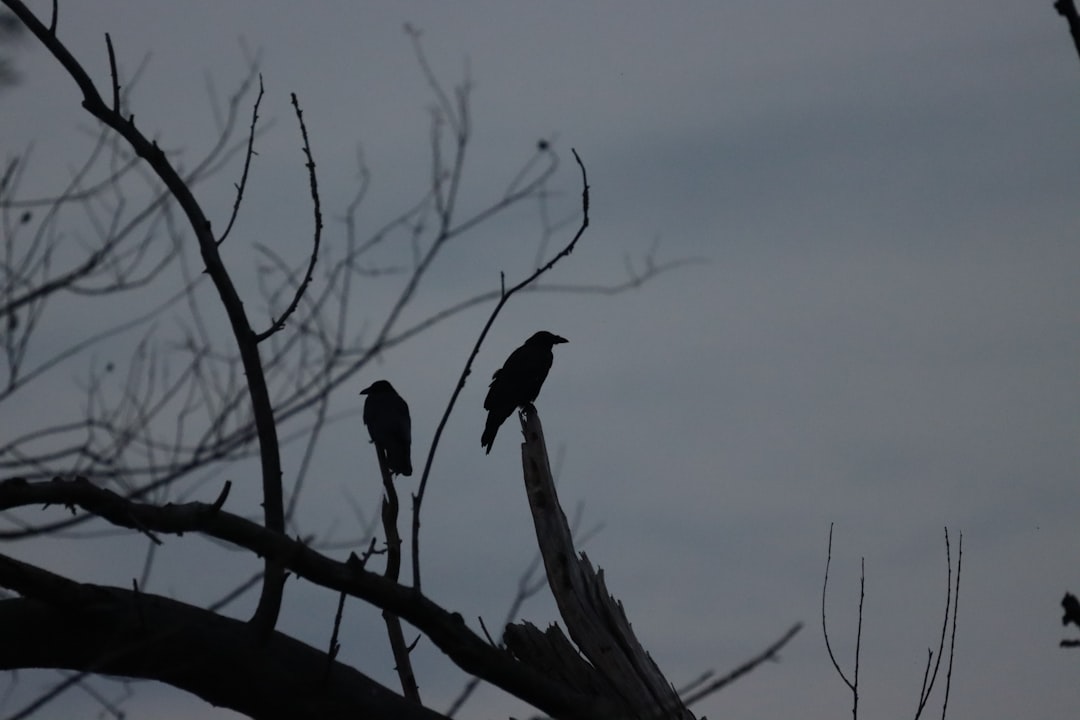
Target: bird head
{"type": "Point", "coordinates": [545, 338]}
{"type": "Point", "coordinates": [379, 386]}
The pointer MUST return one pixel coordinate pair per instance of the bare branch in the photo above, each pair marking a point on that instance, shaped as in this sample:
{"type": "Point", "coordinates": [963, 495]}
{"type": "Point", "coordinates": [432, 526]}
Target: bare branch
{"type": "Point", "coordinates": [769, 653]}
{"type": "Point", "coordinates": [278, 324]}
{"type": "Point", "coordinates": [250, 153]}
{"type": "Point", "coordinates": [505, 295]}
{"type": "Point", "coordinates": [614, 666]}
{"type": "Point", "coordinates": [853, 686]}
{"type": "Point", "coordinates": [928, 682]}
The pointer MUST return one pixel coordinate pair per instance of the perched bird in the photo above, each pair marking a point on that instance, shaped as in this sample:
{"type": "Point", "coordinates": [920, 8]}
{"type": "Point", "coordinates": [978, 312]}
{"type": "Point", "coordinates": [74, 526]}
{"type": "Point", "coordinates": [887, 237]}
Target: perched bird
{"type": "Point", "coordinates": [518, 382]}
{"type": "Point", "coordinates": [387, 418]}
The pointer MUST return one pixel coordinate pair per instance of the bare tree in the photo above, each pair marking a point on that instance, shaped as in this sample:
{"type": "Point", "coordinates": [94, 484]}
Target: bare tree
{"type": "Point", "coordinates": [946, 642]}
{"type": "Point", "coordinates": [209, 389]}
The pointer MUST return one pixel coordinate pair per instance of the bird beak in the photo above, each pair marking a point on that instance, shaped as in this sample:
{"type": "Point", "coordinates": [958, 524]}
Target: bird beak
{"type": "Point", "coordinates": [365, 390]}
{"type": "Point", "coordinates": [559, 339]}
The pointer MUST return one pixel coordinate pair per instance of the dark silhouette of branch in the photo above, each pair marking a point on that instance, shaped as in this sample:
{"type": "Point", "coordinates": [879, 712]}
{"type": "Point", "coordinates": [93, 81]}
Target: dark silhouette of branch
{"type": "Point", "coordinates": [74, 679]}
{"type": "Point", "coordinates": [248, 155]}
{"type": "Point", "coordinates": [398, 646]}
{"type": "Point", "coordinates": [612, 665]}
{"type": "Point", "coordinates": [504, 296]}
{"type": "Point", "coordinates": [930, 671]}
{"type": "Point", "coordinates": [62, 624]}
{"type": "Point", "coordinates": [279, 323]}
{"type": "Point", "coordinates": [853, 685]}
{"type": "Point", "coordinates": [769, 653]}
{"type": "Point", "coordinates": [952, 638]}
{"type": "Point", "coordinates": [928, 676]}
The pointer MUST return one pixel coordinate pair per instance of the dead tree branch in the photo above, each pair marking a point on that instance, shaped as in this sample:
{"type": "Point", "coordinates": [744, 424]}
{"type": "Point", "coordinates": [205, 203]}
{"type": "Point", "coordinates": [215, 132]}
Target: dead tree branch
{"type": "Point", "coordinates": [58, 623]}
{"type": "Point", "coordinates": [255, 379]}
{"type": "Point", "coordinates": [612, 663]}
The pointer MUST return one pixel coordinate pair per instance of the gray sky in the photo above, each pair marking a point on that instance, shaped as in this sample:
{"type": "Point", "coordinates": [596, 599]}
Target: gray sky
{"type": "Point", "coordinates": [885, 336]}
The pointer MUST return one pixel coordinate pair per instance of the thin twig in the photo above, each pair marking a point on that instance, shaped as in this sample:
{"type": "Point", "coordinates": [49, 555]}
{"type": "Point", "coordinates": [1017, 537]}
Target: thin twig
{"type": "Point", "coordinates": [768, 653]}
{"type": "Point", "coordinates": [952, 640]}
{"type": "Point", "coordinates": [250, 153]}
{"type": "Point", "coordinates": [928, 685]}
{"type": "Point", "coordinates": [853, 685]}
{"type": "Point", "coordinates": [113, 74]}
{"type": "Point", "coordinates": [858, 637]}
{"type": "Point", "coordinates": [279, 323]}
{"type": "Point", "coordinates": [824, 625]}
{"type": "Point", "coordinates": [335, 646]}
{"type": "Point", "coordinates": [506, 294]}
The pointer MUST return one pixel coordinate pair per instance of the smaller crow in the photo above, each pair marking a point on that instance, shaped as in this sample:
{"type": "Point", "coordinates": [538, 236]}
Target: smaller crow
{"type": "Point", "coordinates": [387, 418]}
{"type": "Point", "coordinates": [518, 382]}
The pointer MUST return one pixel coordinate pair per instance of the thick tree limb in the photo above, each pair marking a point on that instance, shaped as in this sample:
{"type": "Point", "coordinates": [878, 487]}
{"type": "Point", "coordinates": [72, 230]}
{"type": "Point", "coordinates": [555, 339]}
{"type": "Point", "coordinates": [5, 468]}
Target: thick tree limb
{"type": "Point", "coordinates": [63, 624]}
{"type": "Point", "coordinates": [622, 670]}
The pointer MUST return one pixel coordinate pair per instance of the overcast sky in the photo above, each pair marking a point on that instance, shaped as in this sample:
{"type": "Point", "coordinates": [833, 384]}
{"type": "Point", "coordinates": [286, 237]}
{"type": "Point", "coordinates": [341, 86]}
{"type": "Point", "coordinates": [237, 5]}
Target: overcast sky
{"type": "Point", "coordinates": [885, 334]}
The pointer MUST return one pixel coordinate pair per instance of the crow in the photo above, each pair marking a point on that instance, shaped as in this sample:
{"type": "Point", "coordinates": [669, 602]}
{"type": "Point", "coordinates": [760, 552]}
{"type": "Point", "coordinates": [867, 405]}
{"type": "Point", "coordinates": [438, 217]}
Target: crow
{"type": "Point", "coordinates": [518, 382]}
{"type": "Point", "coordinates": [387, 418]}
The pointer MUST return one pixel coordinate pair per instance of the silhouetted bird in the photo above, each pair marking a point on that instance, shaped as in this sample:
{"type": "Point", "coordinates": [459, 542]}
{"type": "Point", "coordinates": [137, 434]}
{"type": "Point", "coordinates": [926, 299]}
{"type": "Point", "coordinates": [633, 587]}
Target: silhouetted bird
{"type": "Point", "coordinates": [518, 382]}
{"type": "Point", "coordinates": [387, 418]}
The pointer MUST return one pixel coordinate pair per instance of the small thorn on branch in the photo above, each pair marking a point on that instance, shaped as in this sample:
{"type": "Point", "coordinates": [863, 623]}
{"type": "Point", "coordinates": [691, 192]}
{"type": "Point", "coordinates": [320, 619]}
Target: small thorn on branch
{"type": "Point", "coordinates": [115, 77]}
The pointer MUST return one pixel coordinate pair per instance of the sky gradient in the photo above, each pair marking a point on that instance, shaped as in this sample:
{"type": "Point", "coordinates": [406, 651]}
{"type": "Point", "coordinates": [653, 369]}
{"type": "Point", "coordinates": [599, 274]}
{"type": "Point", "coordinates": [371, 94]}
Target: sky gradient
{"type": "Point", "coordinates": [882, 333]}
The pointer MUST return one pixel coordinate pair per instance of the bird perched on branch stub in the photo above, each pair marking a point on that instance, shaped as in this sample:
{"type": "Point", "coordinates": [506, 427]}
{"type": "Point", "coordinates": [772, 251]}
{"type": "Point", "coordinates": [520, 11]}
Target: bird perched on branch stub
{"type": "Point", "coordinates": [518, 382]}
{"type": "Point", "coordinates": [387, 418]}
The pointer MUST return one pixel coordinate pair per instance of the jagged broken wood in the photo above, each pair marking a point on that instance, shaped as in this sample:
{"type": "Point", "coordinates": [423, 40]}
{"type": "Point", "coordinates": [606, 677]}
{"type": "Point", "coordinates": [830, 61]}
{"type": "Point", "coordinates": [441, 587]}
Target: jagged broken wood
{"type": "Point", "coordinates": [609, 663]}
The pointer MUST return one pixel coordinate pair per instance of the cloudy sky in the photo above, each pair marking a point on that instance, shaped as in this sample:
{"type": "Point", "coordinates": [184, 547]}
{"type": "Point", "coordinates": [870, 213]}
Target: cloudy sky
{"type": "Point", "coordinates": [883, 335]}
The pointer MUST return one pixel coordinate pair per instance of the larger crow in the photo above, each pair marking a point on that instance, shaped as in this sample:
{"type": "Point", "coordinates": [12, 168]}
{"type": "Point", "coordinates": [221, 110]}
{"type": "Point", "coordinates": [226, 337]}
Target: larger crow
{"type": "Point", "coordinates": [387, 418]}
{"type": "Point", "coordinates": [518, 382]}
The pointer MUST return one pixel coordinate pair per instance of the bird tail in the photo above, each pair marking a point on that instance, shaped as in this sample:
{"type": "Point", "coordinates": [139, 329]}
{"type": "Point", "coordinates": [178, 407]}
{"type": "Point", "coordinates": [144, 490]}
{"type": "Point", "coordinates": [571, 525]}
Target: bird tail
{"type": "Point", "coordinates": [397, 459]}
{"type": "Point", "coordinates": [403, 463]}
{"type": "Point", "coordinates": [490, 429]}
